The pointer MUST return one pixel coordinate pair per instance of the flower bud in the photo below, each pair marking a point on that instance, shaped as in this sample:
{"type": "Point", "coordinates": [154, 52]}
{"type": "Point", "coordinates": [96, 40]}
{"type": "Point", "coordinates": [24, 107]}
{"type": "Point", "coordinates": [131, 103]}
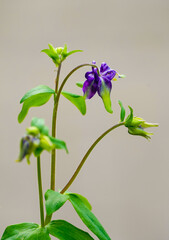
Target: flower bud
{"type": "Point", "coordinates": [27, 145]}
{"type": "Point", "coordinates": [45, 143]}
{"type": "Point", "coordinates": [33, 131]}
{"type": "Point", "coordinates": [136, 125]}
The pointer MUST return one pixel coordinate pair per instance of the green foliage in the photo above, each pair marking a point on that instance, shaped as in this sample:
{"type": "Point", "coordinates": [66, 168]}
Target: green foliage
{"type": "Point", "coordinates": [25, 231]}
{"type": "Point", "coordinates": [66, 231]}
{"type": "Point", "coordinates": [35, 97]}
{"type": "Point", "coordinates": [82, 198]}
{"type": "Point", "coordinates": [123, 112]}
{"type": "Point", "coordinates": [80, 84]}
{"type": "Point", "coordinates": [59, 54]}
{"type": "Point", "coordinates": [37, 90]}
{"type": "Point", "coordinates": [77, 100]}
{"type": "Point", "coordinates": [88, 217]}
{"type": "Point", "coordinates": [59, 144]}
{"type": "Point", "coordinates": [54, 201]}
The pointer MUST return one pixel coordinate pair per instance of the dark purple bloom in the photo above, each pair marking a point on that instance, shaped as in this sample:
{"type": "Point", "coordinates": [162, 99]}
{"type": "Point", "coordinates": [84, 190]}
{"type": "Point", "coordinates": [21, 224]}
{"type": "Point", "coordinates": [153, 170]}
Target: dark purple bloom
{"type": "Point", "coordinates": [100, 83]}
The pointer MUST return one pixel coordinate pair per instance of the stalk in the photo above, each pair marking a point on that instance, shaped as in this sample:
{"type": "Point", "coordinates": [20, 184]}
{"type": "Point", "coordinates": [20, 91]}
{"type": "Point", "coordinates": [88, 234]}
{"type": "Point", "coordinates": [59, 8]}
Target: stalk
{"type": "Point", "coordinates": [86, 156]}
{"type": "Point", "coordinates": [53, 156]}
{"type": "Point", "coordinates": [40, 191]}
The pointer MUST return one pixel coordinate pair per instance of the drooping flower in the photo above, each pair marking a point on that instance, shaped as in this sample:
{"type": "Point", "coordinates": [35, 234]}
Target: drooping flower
{"type": "Point", "coordinates": [27, 145]}
{"type": "Point", "coordinates": [100, 82]}
{"type": "Point", "coordinates": [37, 139]}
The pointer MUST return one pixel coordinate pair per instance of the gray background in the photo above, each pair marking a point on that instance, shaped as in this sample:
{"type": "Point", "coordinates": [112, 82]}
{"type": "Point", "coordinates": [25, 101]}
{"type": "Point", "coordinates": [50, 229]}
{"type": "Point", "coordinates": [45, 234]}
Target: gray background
{"type": "Point", "coordinates": [126, 178]}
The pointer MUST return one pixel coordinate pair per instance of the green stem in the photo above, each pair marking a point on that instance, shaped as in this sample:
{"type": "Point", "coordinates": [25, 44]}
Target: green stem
{"type": "Point", "coordinates": [87, 154]}
{"type": "Point", "coordinates": [53, 156]}
{"type": "Point", "coordinates": [40, 191]}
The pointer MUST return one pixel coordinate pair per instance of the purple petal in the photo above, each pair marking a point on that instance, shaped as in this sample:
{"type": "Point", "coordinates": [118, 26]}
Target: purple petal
{"type": "Point", "coordinates": [89, 88]}
{"type": "Point", "coordinates": [109, 75]}
{"type": "Point", "coordinates": [89, 76]}
{"type": "Point", "coordinates": [104, 67]}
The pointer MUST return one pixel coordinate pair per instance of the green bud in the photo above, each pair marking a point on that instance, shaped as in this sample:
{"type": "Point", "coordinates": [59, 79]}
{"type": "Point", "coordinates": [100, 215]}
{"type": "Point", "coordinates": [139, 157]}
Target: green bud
{"type": "Point", "coordinates": [33, 131]}
{"type": "Point", "coordinates": [139, 132]}
{"type": "Point", "coordinates": [59, 50]}
{"type": "Point", "coordinates": [46, 143]}
{"type": "Point", "coordinates": [136, 125]}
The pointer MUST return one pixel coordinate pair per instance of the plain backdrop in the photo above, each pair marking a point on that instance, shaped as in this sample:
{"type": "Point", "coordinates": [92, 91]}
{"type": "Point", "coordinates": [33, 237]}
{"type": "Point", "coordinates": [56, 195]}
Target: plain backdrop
{"type": "Point", "coordinates": [126, 178]}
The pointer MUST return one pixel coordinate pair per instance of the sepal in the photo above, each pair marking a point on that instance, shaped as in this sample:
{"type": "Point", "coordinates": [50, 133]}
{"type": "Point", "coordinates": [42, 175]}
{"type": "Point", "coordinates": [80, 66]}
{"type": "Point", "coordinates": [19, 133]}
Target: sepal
{"type": "Point", "coordinates": [105, 95]}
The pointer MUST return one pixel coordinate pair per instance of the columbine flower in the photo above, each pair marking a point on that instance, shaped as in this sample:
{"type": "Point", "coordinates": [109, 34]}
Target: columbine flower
{"type": "Point", "coordinates": [27, 145]}
{"type": "Point", "coordinates": [100, 82]}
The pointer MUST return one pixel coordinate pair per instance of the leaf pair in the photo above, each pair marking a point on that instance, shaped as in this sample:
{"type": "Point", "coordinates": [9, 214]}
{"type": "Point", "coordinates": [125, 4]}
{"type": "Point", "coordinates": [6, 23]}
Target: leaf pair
{"type": "Point", "coordinates": [55, 200]}
{"type": "Point", "coordinates": [58, 228]}
{"type": "Point", "coordinates": [41, 94]}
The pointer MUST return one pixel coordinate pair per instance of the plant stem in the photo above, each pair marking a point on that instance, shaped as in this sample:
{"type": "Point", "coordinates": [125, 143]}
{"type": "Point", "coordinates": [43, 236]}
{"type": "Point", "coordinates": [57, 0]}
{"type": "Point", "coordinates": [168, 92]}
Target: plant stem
{"type": "Point", "coordinates": [54, 119]}
{"type": "Point", "coordinates": [40, 191]}
{"type": "Point", "coordinates": [87, 154]}
{"type": "Point", "coordinates": [53, 156]}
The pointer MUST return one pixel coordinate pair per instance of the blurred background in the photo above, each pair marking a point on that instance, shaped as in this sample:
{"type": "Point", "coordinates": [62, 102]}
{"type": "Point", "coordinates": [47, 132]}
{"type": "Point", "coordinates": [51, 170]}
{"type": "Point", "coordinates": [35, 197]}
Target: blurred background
{"type": "Point", "coordinates": [126, 178]}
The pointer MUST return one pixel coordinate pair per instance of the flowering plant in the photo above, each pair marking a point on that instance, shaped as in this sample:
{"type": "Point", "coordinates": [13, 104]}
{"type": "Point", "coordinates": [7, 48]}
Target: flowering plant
{"type": "Point", "coordinates": [38, 138]}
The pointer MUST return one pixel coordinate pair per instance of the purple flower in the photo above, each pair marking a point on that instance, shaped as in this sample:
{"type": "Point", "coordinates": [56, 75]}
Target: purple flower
{"type": "Point", "coordinates": [100, 83]}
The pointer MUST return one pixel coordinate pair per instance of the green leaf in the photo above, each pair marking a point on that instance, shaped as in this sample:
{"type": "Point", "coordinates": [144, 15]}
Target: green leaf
{"type": "Point", "coordinates": [66, 231]}
{"type": "Point", "coordinates": [25, 231]}
{"type": "Point", "coordinates": [88, 218]}
{"type": "Point", "coordinates": [122, 114]}
{"type": "Point", "coordinates": [34, 101]}
{"type": "Point", "coordinates": [82, 198]}
{"type": "Point", "coordinates": [34, 98]}
{"type": "Point", "coordinates": [74, 51]}
{"type": "Point", "coordinates": [37, 90]}
{"type": "Point", "coordinates": [77, 100]}
{"type": "Point", "coordinates": [54, 201]}
{"type": "Point", "coordinates": [59, 144]}
{"type": "Point", "coordinates": [129, 118]}
{"type": "Point", "coordinates": [80, 84]}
